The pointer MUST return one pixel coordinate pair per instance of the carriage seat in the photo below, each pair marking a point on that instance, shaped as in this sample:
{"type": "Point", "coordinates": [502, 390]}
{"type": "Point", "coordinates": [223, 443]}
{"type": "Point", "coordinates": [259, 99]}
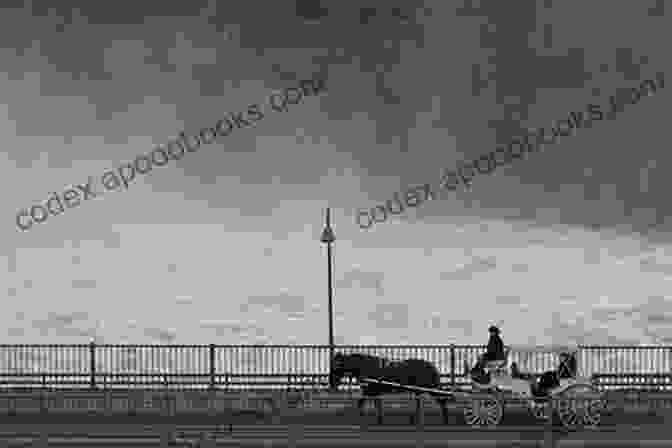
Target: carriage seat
{"type": "Point", "coordinates": [498, 364]}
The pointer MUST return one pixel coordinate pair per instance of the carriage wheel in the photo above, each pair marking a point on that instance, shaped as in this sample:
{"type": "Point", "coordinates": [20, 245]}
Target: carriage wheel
{"type": "Point", "coordinates": [481, 412]}
{"type": "Point", "coordinates": [576, 413]}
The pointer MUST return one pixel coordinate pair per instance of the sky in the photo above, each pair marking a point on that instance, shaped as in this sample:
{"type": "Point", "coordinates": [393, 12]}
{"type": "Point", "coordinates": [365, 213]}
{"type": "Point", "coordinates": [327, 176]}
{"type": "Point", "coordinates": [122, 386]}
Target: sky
{"type": "Point", "coordinates": [571, 245]}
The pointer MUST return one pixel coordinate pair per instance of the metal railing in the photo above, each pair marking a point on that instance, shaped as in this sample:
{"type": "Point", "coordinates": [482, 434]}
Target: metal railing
{"type": "Point", "coordinates": [300, 366]}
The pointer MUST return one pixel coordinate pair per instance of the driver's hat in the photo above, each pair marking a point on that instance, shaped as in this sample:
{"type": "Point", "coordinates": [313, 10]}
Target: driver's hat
{"type": "Point", "coordinates": [493, 329]}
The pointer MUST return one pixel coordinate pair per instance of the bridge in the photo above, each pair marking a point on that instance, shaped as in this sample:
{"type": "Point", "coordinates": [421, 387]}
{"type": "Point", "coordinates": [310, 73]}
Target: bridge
{"type": "Point", "coordinates": [277, 367]}
{"type": "Point", "coordinates": [165, 395]}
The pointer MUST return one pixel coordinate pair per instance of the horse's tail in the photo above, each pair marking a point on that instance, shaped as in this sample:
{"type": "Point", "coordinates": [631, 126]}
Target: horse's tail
{"type": "Point", "coordinates": [436, 375]}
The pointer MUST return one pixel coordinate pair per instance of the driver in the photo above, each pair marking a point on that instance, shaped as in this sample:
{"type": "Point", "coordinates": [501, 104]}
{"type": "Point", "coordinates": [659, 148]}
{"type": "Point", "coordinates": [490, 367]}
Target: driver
{"type": "Point", "coordinates": [495, 350]}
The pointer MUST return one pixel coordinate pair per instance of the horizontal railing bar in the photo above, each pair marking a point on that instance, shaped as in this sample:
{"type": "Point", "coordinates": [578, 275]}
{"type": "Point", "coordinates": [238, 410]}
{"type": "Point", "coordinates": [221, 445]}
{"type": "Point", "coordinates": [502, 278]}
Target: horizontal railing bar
{"type": "Point", "coordinates": [420, 346]}
{"type": "Point", "coordinates": [279, 375]}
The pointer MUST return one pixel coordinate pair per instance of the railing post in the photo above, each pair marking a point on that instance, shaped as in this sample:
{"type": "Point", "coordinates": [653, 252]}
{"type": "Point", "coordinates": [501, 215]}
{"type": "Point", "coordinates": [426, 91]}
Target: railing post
{"type": "Point", "coordinates": [452, 366]}
{"type": "Point", "coordinates": [92, 366]}
{"type": "Point", "coordinates": [212, 366]}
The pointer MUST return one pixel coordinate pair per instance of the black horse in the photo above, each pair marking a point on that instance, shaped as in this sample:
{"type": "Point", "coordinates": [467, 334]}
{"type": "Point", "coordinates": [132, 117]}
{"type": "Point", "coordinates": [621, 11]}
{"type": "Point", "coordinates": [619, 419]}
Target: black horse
{"type": "Point", "coordinates": [411, 372]}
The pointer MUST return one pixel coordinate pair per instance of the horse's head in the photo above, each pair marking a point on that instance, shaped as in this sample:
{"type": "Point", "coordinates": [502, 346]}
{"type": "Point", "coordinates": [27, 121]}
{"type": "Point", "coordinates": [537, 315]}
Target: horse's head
{"type": "Point", "coordinates": [355, 365]}
{"type": "Point", "coordinates": [339, 368]}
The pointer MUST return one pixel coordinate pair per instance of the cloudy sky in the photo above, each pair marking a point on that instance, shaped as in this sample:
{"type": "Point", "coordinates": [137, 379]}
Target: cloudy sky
{"type": "Point", "coordinates": [572, 244]}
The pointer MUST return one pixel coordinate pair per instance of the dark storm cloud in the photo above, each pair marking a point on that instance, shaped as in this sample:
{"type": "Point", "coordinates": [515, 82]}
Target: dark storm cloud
{"type": "Point", "coordinates": [373, 70]}
{"type": "Point", "coordinates": [125, 12]}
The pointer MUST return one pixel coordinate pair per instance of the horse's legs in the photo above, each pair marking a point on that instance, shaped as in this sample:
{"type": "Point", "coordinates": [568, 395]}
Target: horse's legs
{"type": "Point", "coordinates": [379, 409]}
{"type": "Point", "coordinates": [360, 406]}
{"type": "Point", "coordinates": [444, 410]}
{"type": "Point", "coordinates": [416, 412]}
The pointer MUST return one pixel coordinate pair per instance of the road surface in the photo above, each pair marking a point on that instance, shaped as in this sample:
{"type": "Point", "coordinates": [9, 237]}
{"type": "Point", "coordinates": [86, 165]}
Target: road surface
{"type": "Point", "coordinates": [328, 423]}
{"type": "Point", "coordinates": [341, 436]}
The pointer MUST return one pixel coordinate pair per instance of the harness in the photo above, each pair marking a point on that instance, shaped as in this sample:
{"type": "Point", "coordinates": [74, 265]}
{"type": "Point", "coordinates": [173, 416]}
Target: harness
{"type": "Point", "coordinates": [383, 363]}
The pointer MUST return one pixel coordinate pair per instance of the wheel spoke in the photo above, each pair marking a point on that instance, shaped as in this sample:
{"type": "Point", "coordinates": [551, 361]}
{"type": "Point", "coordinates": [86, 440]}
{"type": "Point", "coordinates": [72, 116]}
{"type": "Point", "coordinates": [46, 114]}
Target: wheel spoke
{"type": "Point", "coordinates": [577, 411]}
{"type": "Point", "coordinates": [573, 418]}
{"type": "Point", "coordinates": [483, 412]}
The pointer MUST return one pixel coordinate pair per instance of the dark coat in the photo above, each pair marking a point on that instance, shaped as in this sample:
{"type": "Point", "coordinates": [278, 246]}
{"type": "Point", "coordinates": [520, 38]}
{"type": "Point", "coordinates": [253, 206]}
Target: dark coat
{"type": "Point", "coordinates": [495, 347]}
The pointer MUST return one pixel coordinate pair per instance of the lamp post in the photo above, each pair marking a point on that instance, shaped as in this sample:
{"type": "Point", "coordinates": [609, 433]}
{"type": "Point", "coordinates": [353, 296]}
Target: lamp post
{"type": "Point", "coordinates": [328, 238]}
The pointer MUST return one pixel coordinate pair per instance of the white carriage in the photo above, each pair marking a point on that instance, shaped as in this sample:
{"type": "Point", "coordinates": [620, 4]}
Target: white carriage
{"type": "Point", "coordinates": [576, 401]}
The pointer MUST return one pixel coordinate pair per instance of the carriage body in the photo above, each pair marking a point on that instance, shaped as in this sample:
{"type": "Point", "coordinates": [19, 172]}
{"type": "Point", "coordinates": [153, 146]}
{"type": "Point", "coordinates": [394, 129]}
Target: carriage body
{"type": "Point", "coordinates": [574, 408]}
{"type": "Point", "coordinates": [501, 378]}
{"type": "Point", "coordinates": [578, 403]}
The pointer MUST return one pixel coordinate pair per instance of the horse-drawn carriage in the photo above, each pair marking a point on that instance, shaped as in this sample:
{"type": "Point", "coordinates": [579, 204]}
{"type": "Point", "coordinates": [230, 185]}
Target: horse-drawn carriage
{"type": "Point", "coordinates": [578, 403]}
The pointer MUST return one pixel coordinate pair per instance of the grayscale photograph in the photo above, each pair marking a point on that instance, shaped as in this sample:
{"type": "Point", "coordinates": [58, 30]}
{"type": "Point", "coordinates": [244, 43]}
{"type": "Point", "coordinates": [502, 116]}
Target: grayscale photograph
{"type": "Point", "coordinates": [335, 223]}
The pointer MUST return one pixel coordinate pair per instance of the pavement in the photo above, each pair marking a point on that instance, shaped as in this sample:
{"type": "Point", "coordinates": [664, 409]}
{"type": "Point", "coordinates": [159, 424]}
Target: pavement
{"type": "Point", "coordinates": [342, 436]}
{"type": "Point", "coordinates": [330, 427]}
{"type": "Point", "coordinates": [327, 421]}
